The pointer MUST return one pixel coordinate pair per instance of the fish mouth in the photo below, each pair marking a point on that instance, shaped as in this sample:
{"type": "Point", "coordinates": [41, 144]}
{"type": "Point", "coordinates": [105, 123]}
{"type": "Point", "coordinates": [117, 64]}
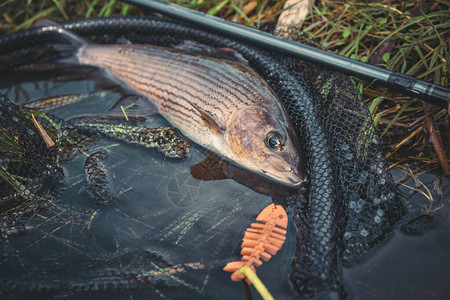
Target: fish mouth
{"type": "Point", "coordinates": [289, 178]}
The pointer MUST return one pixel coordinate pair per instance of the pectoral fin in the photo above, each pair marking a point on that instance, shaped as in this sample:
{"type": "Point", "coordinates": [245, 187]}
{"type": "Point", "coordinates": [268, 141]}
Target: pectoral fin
{"type": "Point", "coordinates": [209, 120]}
{"type": "Point", "coordinates": [212, 167]}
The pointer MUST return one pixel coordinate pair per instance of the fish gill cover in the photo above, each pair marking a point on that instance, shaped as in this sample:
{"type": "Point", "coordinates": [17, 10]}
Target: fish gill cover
{"type": "Point", "coordinates": [348, 204]}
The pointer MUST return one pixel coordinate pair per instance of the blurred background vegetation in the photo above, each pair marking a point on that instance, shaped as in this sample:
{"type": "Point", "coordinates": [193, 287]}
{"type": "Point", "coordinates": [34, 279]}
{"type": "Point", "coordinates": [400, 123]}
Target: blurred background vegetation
{"type": "Point", "coordinates": [411, 37]}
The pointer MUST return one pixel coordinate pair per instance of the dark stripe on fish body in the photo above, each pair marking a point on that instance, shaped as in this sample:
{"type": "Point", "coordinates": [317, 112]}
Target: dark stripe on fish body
{"type": "Point", "coordinates": [224, 80]}
{"type": "Point", "coordinates": [160, 86]}
{"type": "Point", "coordinates": [151, 64]}
{"type": "Point", "coordinates": [201, 84]}
{"type": "Point", "coordinates": [177, 108]}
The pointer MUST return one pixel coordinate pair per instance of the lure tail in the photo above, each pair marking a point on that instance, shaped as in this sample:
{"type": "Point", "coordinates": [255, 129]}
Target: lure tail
{"type": "Point", "coordinates": [261, 241]}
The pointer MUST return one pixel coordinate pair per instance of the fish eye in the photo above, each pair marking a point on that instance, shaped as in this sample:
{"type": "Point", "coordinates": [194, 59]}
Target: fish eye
{"type": "Point", "coordinates": [274, 140]}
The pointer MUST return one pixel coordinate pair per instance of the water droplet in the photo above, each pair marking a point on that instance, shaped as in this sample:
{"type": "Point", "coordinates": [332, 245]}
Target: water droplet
{"type": "Point", "coordinates": [364, 233]}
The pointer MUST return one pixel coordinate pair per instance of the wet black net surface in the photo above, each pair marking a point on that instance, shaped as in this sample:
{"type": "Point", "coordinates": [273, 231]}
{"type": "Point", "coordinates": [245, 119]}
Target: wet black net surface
{"type": "Point", "coordinates": [349, 202]}
{"type": "Point", "coordinates": [157, 232]}
{"type": "Point", "coordinates": [30, 174]}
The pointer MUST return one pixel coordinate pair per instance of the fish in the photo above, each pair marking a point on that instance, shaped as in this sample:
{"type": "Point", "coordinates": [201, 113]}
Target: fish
{"type": "Point", "coordinates": [219, 103]}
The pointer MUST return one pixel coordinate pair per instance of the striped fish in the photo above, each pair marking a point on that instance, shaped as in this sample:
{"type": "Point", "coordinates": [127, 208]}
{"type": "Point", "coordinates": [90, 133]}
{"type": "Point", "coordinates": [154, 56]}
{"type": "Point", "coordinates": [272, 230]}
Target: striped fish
{"type": "Point", "coordinates": [221, 104]}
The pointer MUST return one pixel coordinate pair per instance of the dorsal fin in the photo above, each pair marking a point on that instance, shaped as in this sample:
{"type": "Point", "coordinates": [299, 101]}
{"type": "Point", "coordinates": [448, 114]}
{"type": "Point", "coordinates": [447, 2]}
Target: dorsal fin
{"type": "Point", "coordinates": [45, 23]}
{"type": "Point", "coordinates": [214, 52]}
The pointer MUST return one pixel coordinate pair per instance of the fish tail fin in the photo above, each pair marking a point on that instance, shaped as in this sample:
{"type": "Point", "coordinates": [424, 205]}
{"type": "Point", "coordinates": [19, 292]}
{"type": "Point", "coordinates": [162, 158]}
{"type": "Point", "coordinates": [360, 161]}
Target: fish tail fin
{"type": "Point", "coordinates": [67, 50]}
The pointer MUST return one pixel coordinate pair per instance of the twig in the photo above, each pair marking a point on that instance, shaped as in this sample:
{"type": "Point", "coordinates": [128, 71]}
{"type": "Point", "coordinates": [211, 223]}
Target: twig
{"type": "Point", "coordinates": [435, 139]}
{"type": "Point", "coordinates": [48, 141]}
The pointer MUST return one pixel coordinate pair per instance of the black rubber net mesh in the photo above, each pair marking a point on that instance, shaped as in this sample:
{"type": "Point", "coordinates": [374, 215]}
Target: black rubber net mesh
{"type": "Point", "coordinates": [349, 201]}
{"type": "Point", "coordinates": [26, 162]}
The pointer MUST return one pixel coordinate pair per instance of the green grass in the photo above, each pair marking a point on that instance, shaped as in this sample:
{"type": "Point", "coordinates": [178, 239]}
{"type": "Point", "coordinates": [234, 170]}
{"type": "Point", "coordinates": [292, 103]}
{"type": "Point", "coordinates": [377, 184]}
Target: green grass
{"type": "Point", "coordinates": [403, 37]}
{"type": "Point", "coordinates": [19, 14]}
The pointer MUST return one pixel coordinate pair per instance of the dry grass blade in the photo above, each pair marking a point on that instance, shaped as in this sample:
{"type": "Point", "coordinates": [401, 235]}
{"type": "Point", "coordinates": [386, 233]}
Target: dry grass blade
{"type": "Point", "coordinates": [47, 140]}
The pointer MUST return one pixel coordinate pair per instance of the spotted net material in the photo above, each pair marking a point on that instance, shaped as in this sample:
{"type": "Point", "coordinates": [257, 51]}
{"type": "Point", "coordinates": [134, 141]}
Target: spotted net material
{"type": "Point", "coordinates": [30, 176]}
{"type": "Point", "coordinates": [349, 202]}
{"type": "Point", "coordinates": [26, 164]}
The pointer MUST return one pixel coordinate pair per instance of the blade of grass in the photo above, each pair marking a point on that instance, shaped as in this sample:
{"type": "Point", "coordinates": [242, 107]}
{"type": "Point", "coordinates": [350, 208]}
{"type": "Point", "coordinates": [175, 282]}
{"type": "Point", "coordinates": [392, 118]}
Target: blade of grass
{"type": "Point", "coordinates": [239, 11]}
{"type": "Point", "coordinates": [213, 11]}
{"type": "Point", "coordinates": [397, 115]}
{"type": "Point", "coordinates": [61, 9]}
{"type": "Point", "coordinates": [90, 7]}
{"type": "Point", "coordinates": [106, 9]}
{"type": "Point", "coordinates": [415, 21]}
{"type": "Point", "coordinates": [375, 103]}
{"type": "Point", "coordinates": [125, 9]}
{"type": "Point", "coordinates": [30, 21]}
{"type": "Point", "coordinates": [377, 118]}
{"type": "Point", "coordinates": [337, 23]}
{"type": "Point", "coordinates": [109, 8]}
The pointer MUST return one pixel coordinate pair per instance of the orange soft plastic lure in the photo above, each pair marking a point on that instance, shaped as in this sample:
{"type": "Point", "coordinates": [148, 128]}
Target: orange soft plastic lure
{"type": "Point", "coordinates": [261, 241]}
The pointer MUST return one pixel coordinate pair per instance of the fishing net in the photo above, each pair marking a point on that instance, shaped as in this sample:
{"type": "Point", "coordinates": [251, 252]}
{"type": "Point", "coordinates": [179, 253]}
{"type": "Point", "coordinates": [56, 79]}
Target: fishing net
{"type": "Point", "coordinates": [29, 169]}
{"type": "Point", "coordinates": [349, 202]}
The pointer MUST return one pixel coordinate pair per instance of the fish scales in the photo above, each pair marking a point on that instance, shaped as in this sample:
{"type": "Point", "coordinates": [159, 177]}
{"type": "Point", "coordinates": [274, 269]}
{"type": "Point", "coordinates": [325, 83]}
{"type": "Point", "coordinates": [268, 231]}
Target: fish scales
{"type": "Point", "coordinates": [221, 104]}
{"type": "Point", "coordinates": [200, 79]}
{"type": "Point", "coordinates": [177, 85]}
{"type": "Point", "coordinates": [225, 78]}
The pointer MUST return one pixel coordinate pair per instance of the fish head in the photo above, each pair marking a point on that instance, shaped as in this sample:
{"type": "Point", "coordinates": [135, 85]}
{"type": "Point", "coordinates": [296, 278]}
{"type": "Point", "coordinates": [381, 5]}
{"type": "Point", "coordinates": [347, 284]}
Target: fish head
{"type": "Point", "coordinates": [266, 144]}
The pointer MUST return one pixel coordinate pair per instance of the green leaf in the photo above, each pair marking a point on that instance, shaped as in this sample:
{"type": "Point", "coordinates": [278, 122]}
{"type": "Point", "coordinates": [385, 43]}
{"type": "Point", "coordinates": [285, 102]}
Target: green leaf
{"type": "Point", "coordinates": [386, 57]}
{"type": "Point", "coordinates": [383, 21]}
{"type": "Point", "coordinates": [364, 58]}
{"type": "Point", "coordinates": [346, 33]}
